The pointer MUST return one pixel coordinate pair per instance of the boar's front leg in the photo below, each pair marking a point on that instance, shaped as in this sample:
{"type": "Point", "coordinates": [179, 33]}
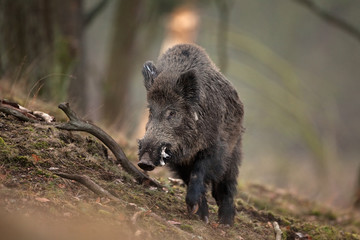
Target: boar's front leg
{"type": "Point", "coordinates": [195, 197]}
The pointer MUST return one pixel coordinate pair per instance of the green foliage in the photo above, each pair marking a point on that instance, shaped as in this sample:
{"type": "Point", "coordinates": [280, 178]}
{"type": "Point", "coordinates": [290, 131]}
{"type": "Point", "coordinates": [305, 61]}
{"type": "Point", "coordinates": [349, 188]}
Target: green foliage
{"type": "Point", "coordinates": [40, 145]}
{"type": "Point", "coordinates": [2, 143]}
{"type": "Point", "coordinates": [186, 227]}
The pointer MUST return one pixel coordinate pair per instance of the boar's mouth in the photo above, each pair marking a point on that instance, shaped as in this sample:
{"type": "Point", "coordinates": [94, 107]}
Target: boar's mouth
{"type": "Point", "coordinates": [145, 163]}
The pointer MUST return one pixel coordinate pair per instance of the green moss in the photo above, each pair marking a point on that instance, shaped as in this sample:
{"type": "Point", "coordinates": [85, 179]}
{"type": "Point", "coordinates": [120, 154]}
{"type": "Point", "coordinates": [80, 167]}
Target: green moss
{"type": "Point", "coordinates": [330, 215]}
{"type": "Point", "coordinates": [105, 213]}
{"type": "Point", "coordinates": [261, 205]}
{"type": "Point", "coordinates": [323, 232]}
{"type": "Point", "coordinates": [2, 143]}
{"type": "Point", "coordinates": [30, 129]}
{"type": "Point", "coordinates": [41, 145]}
{"type": "Point", "coordinates": [23, 161]}
{"type": "Point", "coordinates": [5, 150]}
{"type": "Point", "coordinates": [315, 212]}
{"type": "Point", "coordinates": [284, 235]}
{"type": "Point", "coordinates": [42, 172]}
{"type": "Point", "coordinates": [186, 227]}
{"type": "Point", "coordinates": [243, 218]}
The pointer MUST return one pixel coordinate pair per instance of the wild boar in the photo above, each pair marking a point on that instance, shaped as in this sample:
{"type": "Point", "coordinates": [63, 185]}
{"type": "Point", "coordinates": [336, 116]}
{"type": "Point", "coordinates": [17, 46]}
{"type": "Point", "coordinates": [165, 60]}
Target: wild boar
{"type": "Point", "coordinates": [194, 127]}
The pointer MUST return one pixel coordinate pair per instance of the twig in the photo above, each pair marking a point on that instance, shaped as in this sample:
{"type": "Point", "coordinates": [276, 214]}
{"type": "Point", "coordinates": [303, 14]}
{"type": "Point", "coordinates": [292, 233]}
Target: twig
{"type": "Point", "coordinates": [90, 184]}
{"type": "Point", "coordinates": [277, 230]}
{"type": "Point", "coordinates": [172, 227]}
{"type": "Point", "coordinates": [93, 13]}
{"type": "Point", "coordinates": [77, 124]}
{"type": "Point", "coordinates": [332, 19]}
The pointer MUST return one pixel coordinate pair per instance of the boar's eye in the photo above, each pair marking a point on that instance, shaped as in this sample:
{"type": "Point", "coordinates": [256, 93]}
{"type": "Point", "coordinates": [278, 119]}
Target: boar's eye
{"type": "Point", "coordinates": [170, 114]}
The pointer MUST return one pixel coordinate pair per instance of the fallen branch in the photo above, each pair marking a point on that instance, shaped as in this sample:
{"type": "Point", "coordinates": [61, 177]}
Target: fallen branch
{"type": "Point", "coordinates": [90, 184]}
{"type": "Point", "coordinates": [277, 230]}
{"type": "Point", "coordinates": [77, 124]}
{"type": "Point", "coordinates": [87, 182]}
{"type": "Point", "coordinates": [24, 114]}
{"type": "Point", "coordinates": [16, 112]}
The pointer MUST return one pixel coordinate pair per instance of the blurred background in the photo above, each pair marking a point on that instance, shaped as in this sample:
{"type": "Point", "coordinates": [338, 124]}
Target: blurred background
{"type": "Point", "coordinates": [295, 64]}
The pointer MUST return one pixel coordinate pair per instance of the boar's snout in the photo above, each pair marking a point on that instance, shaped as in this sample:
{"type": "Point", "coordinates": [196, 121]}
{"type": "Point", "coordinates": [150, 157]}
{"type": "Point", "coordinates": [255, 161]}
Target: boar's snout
{"type": "Point", "coordinates": [145, 163]}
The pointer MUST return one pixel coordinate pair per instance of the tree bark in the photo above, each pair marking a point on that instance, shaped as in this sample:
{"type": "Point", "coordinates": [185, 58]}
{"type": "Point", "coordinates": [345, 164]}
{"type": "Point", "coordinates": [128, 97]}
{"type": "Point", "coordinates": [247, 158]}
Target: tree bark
{"type": "Point", "coordinates": [357, 192]}
{"type": "Point", "coordinates": [121, 62]}
{"type": "Point", "coordinates": [26, 37]}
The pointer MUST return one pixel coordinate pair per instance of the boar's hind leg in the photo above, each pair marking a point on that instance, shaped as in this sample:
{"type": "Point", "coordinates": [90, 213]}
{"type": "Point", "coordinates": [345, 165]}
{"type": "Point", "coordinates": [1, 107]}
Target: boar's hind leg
{"type": "Point", "coordinates": [224, 193]}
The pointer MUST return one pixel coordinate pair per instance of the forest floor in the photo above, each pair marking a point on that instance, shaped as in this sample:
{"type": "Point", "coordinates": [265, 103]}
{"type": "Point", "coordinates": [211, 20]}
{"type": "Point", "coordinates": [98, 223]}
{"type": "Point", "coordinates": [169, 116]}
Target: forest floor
{"type": "Point", "coordinates": [37, 204]}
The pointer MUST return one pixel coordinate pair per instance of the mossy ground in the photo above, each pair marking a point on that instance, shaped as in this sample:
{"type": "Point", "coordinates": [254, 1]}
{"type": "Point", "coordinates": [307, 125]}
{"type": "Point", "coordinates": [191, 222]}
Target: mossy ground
{"type": "Point", "coordinates": [36, 204]}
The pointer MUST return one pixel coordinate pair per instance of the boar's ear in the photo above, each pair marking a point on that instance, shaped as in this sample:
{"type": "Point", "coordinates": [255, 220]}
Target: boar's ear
{"type": "Point", "coordinates": [149, 72]}
{"type": "Point", "coordinates": [187, 84]}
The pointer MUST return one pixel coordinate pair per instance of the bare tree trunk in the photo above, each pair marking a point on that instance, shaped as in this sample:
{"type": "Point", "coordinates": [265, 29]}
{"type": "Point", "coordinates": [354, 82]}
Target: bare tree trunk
{"type": "Point", "coordinates": [122, 55]}
{"type": "Point", "coordinates": [357, 192]}
{"type": "Point", "coordinates": [40, 45]}
{"type": "Point", "coordinates": [25, 40]}
{"type": "Point", "coordinates": [72, 58]}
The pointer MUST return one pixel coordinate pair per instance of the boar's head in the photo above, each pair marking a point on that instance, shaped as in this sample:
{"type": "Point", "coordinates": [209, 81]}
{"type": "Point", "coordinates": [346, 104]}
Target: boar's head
{"type": "Point", "coordinates": [171, 128]}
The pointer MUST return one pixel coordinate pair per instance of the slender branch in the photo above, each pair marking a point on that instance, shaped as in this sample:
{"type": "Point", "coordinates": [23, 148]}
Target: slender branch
{"type": "Point", "coordinates": [172, 227]}
{"type": "Point", "coordinates": [357, 192]}
{"type": "Point", "coordinates": [94, 12]}
{"type": "Point", "coordinates": [77, 124]}
{"type": "Point", "coordinates": [335, 21]}
{"type": "Point", "coordinates": [90, 184]}
{"type": "Point", "coordinates": [224, 8]}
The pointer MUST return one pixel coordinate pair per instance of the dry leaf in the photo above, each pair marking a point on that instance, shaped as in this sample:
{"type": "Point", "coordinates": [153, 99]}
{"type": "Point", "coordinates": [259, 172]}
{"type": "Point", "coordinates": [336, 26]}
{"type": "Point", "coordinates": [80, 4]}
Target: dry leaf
{"type": "Point", "coordinates": [35, 157]}
{"type": "Point", "coordinates": [214, 225]}
{"type": "Point", "coordinates": [43, 200]}
{"type": "Point", "coordinates": [174, 222]}
{"type": "Point", "coordinates": [138, 233]}
{"type": "Point", "coordinates": [67, 214]}
{"type": "Point", "coordinates": [121, 217]}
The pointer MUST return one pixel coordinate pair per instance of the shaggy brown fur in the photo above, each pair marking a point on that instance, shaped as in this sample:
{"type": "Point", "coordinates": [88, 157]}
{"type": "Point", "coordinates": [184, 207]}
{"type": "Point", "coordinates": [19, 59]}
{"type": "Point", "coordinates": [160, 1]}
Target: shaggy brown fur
{"type": "Point", "coordinates": [195, 127]}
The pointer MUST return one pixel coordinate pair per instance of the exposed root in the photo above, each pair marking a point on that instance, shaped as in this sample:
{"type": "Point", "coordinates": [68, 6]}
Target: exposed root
{"type": "Point", "coordinates": [77, 124]}
{"type": "Point", "coordinates": [277, 230]}
{"type": "Point", "coordinates": [90, 184]}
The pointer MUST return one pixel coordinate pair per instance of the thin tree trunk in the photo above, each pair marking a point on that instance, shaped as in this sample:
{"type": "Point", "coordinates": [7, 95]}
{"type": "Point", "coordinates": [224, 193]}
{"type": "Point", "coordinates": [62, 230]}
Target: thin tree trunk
{"type": "Point", "coordinates": [72, 61]}
{"type": "Point", "coordinates": [25, 40]}
{"type": "Point", "coordinates": [122, 56]}
{"type": "Point", "coordinates": [357, 192]}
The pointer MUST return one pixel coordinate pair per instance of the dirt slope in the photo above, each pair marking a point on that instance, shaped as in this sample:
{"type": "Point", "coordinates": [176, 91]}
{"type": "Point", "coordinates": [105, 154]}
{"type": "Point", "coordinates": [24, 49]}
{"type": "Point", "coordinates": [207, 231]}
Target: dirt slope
{"type": "Point", "coordinates": [37, 204]}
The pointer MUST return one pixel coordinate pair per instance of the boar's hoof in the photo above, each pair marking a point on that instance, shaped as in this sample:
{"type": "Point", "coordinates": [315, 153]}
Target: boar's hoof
{"type": "Point", "coordinates": [193, 209]}
{"type": "Point", "coordinates": [145, 163]}
{"type": "Point", "coordinates": [206, 220]}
